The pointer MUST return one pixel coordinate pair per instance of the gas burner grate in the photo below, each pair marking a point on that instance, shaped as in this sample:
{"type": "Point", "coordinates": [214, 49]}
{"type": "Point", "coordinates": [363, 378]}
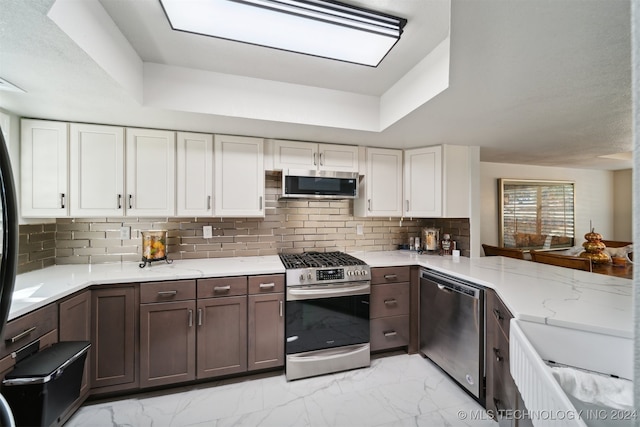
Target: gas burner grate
{"type": "Point", "coordinates": [319, 260]}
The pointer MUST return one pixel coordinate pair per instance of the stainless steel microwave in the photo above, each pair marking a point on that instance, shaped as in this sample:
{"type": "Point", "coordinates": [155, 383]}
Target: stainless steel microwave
{"type": "Point", "coordinates": [319, 184]}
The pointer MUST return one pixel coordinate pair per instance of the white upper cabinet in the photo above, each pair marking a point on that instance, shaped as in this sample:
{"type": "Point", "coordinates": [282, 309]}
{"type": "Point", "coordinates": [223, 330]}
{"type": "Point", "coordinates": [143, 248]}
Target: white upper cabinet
{"type": "Point", "coordinates": [44, 169]}
{"type": "Point", "coordinates": [312, 156]}
{"type": "Point", "coordinates": [96, 170]}
{"type": "Point", "coordinates": [438, 181]}
{"type": "Point", "coordinates": [194, 174]}
{"type": "Point", "coordinates": [340, 158]}
{"type": "Point", "coordinates": [381, 188]}
{"type": "Point", "coordinates": [239, 176]}
{"type": "Point", "coordinates": [151, 172]}
{"type": "Point", "coordinates": [423, 182]}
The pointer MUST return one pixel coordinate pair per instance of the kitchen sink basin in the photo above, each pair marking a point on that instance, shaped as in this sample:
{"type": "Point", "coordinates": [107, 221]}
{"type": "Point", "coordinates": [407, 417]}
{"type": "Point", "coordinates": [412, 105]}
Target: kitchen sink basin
{"type": "Point", "coordinates": [535, 347]}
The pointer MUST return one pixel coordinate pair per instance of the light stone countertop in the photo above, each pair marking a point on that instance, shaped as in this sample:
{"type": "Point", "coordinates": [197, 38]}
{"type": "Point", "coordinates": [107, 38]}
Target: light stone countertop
{"type": "Point", "coordinates": [532, 291]}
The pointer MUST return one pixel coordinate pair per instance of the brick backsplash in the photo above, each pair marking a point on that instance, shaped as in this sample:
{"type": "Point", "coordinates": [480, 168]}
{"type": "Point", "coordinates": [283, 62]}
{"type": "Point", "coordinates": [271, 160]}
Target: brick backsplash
{"type": "Point", "coordinates": [36, 247]}
{"type": "Point", "coordinates": [289, 226]}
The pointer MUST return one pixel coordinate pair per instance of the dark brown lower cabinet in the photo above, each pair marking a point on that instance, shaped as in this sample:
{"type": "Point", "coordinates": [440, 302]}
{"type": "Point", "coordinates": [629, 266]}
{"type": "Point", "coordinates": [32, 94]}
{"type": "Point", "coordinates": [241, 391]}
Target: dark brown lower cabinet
{"type": "Point", "coordinates": [167, 343]}
{"type": "Point", "coordinates": [266, 331]}
{"type": "Point", "coordinates": [502, 397]}
{"type": "Point", "coordinates": [75, 325]}
{"type": "Point", "coordinates": [221, 336]}
{"type": "Point", "coordinates": [114, 350]}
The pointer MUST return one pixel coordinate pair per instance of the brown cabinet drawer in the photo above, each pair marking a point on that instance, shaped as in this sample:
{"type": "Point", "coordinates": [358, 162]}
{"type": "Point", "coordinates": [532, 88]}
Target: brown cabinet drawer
{"type": "Point", "coordinates": [498, 312]}
{"type": "Point", "coordinates": [389, 332]}
{"type": "Point", "coordinates": [498, 357]}
{"type": "Point", "coordinates": [266, 284]}
{"type": "Point", "coordinates": [389, 300]}
{"type": "Point", "coordinates": [222, 287]}
{"type": "Point", "coordinates": [25, 329]}
{"type": "Point", "coordinates": [390, 275]}
{"type": "Point", "coordinates": [175, 290]}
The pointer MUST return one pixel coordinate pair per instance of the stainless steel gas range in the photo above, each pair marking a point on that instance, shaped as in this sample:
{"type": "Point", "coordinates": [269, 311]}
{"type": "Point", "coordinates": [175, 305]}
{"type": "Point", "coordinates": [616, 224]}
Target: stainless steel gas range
{"type": "Point", "coordinates": [327, 313]}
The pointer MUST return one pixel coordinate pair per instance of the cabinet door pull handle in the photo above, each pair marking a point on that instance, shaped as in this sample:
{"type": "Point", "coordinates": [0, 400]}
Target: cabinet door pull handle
{"type": "Point", "coordinates": [369, 205]}
{"type": "Point", "coordinates": [497, 314]}
{"type": "Point", "coordinates": [190, 318]}
{"type": "Point", "coordinates": [390, 334]}
{"type": "Point", "coordinates": [130, 201]}
{"type": "Point", "coordinates": [281, 308]}
{"type": "Point", "coordinates": [390, 276]}
{"type": "Point", "coordinates": [321, 161]}
{"type": "Point", "coordinates": [199, 317]}
{"type": "Point", "coordinates": [119, 201]}
{"type": "Point", "coordinates": [407, 205]}
{"type": "Point", "coordinates": [21, 335]}
{"type": "Point", "coordinates": [260, 203]}
{"type": "Point", "coordinates": [167, 293]}
{"type": "Point", "coordinates": [496, 351]}
{"type": "Point", "coordinates": [222, 288]}
{"type": "Point", "coordinates": [315, 159]}
{"type": "Point", "coordinates": [267, 285]}
{"type": "Point", "coordinates": [61, 200]}
{"type": "Point", "coordinates": [390, 301]}
{"type": "Point", "coordinates": [208, 202]}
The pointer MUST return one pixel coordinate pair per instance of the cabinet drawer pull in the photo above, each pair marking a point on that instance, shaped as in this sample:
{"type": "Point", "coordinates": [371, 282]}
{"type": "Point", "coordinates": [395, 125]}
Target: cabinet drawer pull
{"type": "Point", "coordinates": [390, 276]}
{"type": "Point", "coordinates": [222, 288]}
{"type": "Point", "coordinates": [496, 351]}
{"type": "Point", "coordinates": [167, 293]}
{"type": "Point", "coordinates": [390, 301]}
{"type": "Point", "coordinates": [199, 317]}
{"type": "Point", "coordinates": [267, 285]}
{"type": "Point", "coordinates": [190, 318]}
{"type": "Point", "coordinates": [497, 314]}
{"type": "Point", "coordinates": [281, 308]}
{"type": "Point", "coordinates": [21, 335]}
{"type": "Point", "coordinates": [390, 334]}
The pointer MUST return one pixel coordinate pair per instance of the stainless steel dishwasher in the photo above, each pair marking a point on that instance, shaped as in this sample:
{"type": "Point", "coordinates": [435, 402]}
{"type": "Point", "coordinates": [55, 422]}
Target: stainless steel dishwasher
{"type": "Point", "coordinates": [452, 328]}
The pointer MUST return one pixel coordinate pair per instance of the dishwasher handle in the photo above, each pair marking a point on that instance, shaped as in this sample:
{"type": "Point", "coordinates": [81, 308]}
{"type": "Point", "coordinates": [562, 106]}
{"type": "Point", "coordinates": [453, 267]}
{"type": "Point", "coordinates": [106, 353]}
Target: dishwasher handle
{"type": "Point", "coordinates": [448, 283]}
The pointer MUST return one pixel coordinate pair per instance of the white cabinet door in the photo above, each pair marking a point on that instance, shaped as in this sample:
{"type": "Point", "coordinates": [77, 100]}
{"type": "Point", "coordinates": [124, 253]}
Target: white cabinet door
{"type": "Point", "coordinates": [96, 170]}
{"type": "Point", "coordinates": [44, 170]}
{"type": "Point", "coordinates": [382, 192]}
{"type": "Point", "coordinates": [295, 155]}
{"type": "Point", "coordinates": [423, 182]}
{"type": "Point", "coordinates": [151, 173]}
{"type": "Point", "coordinates": [239, 176]}
{"type": "Point", "coordinates": [312, 156]}
{"type": "Point", "coordinates": [194, 174]}
{"type": "Point", "coordinates": [340, 158]}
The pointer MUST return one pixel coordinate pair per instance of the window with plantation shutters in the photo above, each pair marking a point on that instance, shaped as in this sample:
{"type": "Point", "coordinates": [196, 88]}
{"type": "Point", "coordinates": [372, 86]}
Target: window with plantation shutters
{"type": "Point", "coordinates": [536, 214]}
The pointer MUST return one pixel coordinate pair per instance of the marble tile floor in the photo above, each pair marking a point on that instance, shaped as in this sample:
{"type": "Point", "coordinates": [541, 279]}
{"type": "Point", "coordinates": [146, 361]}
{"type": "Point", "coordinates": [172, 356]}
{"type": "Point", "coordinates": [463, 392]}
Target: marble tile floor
{"type": "Point", "coordinates": [399, 390]}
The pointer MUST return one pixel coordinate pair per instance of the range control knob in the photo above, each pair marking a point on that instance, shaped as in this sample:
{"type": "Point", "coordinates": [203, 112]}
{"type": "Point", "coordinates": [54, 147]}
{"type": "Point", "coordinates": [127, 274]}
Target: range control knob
{"type": "Point", "coordinates": [302, 277]}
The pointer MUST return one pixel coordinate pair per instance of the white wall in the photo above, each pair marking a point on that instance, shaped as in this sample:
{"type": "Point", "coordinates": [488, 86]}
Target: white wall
{"type": "Point", "coordinates": [623, 206]}
{"type": "Point", "coordinates": [593, 188]}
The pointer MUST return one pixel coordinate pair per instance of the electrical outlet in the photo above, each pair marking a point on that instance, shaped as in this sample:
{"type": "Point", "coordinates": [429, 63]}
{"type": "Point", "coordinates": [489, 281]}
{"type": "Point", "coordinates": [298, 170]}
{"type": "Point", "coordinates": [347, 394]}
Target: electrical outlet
{"type": "Point", "coordinates": [125, 233]}
{"type": "Point", "coordinates": [359, 229]}
{"type": "Point", "coordinates": [207, 231]}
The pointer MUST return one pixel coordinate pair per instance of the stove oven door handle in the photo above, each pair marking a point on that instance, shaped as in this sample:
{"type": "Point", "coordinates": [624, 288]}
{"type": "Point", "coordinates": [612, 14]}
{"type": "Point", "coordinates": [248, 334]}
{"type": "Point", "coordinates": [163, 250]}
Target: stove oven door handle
{"type": "Point", "coordinates": [361, 288]}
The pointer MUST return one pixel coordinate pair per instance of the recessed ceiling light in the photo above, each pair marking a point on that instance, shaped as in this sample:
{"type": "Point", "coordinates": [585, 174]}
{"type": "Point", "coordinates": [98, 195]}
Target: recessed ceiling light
{"type": "Point", "coordinates": [321, 28]}
{"type": "Point", "coordinates": [6, 85]}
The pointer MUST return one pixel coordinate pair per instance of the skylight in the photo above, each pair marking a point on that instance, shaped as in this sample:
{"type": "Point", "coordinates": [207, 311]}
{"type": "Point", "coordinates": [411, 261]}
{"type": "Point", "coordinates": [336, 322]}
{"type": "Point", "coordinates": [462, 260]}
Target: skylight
{"type": "Point", "coordinates": [313, 27]}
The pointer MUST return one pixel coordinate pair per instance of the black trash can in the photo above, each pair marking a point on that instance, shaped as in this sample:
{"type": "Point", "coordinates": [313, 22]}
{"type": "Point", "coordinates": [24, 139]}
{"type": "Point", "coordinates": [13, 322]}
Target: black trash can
{"type": "Point", "coordinates": [43, 386]}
